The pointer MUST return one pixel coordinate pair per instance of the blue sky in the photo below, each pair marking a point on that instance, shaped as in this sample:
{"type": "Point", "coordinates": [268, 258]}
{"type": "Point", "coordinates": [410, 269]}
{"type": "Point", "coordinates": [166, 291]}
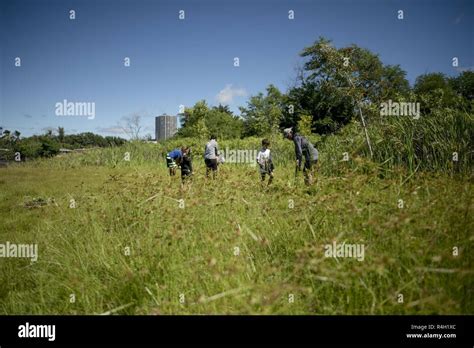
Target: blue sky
{"type": "Point", "coordinates": [176, 62]}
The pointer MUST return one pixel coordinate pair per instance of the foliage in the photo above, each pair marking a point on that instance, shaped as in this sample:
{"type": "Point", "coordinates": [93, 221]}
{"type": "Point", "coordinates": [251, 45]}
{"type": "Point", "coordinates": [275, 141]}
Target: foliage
{"type": "Point", "coordinates": [464, 84]}
{"type": "Point", "coordinates": [49, 145]}
{"type": "Point", "coordinates": [202, 121]}
{"type": "Point", "coordinates": [305, 125]}
{"type": "Point", "coordinates": [263, 113]}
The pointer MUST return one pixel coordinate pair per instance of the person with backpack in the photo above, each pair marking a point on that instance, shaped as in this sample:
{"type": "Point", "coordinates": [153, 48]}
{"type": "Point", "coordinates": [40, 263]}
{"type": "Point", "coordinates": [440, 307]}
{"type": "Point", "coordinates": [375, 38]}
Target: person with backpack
{"type": "Point", "coordinates": [173, 160]}
{"type": "Point", "coordinates": [211, 155]}
{"type": "Point", "coordinates": [303, 149]}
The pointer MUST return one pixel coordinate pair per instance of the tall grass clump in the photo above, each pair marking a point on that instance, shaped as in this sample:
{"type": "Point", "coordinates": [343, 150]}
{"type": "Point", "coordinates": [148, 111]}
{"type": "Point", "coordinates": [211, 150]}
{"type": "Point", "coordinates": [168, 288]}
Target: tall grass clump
{"type": "Point", "coordinates": [428, 143]}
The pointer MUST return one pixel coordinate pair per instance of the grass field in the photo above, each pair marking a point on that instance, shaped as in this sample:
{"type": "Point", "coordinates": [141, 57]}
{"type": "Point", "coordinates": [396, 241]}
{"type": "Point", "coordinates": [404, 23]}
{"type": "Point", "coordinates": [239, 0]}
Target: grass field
{"type": "Point", "coordinates": [136, 242]}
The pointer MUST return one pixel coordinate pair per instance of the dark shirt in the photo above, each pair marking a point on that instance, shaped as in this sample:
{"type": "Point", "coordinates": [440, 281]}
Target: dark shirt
{"type": "Point", "coordinates": [303, 148]}
{"type": "Point", "coordinates": [186, 165]}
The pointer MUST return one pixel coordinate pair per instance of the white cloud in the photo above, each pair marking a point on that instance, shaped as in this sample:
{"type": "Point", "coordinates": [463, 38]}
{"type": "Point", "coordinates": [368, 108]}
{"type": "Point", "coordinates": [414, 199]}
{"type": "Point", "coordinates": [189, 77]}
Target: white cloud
{"type": "Point", "coordinates": [226, 96]}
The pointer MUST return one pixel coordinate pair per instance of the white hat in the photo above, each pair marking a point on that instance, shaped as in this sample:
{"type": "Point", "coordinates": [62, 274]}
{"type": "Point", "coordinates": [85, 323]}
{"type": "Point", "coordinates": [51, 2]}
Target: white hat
{"type": "Point", "coordinates": [287, 132]}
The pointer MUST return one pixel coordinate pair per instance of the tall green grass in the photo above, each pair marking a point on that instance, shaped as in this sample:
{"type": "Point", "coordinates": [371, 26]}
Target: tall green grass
{"type": "Point", "coordinates": [280, 231]}
{"type": "Point", "coordinates": [427, 143]}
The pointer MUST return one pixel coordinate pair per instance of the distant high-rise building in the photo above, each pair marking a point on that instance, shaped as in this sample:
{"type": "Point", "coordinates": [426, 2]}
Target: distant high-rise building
{"type": "Point", "coordinates": [165, 127]}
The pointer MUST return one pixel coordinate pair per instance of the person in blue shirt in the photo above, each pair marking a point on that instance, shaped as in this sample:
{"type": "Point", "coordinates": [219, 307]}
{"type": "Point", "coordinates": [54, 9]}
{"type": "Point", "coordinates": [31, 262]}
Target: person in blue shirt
{"type": "Point", "coordinates": [173, 160]}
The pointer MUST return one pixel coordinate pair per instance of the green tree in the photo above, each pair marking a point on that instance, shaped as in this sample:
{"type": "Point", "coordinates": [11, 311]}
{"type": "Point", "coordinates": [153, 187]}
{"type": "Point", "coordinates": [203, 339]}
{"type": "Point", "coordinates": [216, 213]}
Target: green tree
{"type": "Point", "coordinates": [49, 147]}
{"type": "Point", "coordinates": [349, 81]}
{"type": "Point", "coordinates": [393, 84]}
{"type": "Point", "coordinates": [16, 135]}
{"type": "Point", "coordinates": [427, 83]}
{"type": "Point", "coordinates": [193, 120]}
{"type": "Point", "coordinates": [434, 91]}
{"type": "Point", "coordinates": [305, 124]}
{"type": "Point", "coordinates": [223, 124]}
{"type": "Point", "coordinates": [263, 113]}
{"type": "Point", "coordinates": [336, 83]}
{"type": "Point", "coordinates": [464, 84]}
{"type": "Point", "coordinates": [30, 148]}
{"type": "Point", "coordinates": [200, 130]}
{"type": "Point", "coordinates": [223, 108]}
{"type": "Point", "coordinates": [201, 121]}
{"type": "Point", "coordinates": [61, 134]}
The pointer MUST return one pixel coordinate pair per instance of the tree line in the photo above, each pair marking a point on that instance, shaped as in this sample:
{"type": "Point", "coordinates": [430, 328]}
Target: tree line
{"type": "Point", "coordinates": [50, 143]}
{"type": "Point", "coordinates": [332, 87]}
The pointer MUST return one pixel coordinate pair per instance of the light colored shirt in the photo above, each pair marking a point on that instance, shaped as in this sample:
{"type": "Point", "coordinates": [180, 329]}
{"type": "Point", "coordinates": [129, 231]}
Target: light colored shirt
{"type": "Point", "coordinates": [211, 151]}
{"type": "Point", "coordinates": [264, 159]}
